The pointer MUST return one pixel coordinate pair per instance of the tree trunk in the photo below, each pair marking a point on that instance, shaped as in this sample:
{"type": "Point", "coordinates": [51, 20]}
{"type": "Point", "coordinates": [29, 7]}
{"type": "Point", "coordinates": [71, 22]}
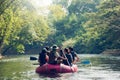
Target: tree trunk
{"type": "Point", "coordinates": [6, 49]}
{"type": "Point", "coordinates": [0, 52]}
{"type": "Point", "coordinates": [1, 46]}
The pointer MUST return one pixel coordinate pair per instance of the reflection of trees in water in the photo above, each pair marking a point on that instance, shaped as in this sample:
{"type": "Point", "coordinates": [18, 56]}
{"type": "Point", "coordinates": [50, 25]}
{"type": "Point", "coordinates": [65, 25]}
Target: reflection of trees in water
{"type": "Point", "coordinates": [113, 64]}
{"type": "Point", "coordinates": [106, 62]}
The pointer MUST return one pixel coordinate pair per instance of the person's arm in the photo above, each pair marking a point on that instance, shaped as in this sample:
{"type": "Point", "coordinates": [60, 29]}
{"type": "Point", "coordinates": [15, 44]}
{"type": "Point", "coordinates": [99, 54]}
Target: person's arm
{"type": "Point", "coordinates": [76, 56]}
{"type": "Point", "coordinates": [47, 58]}
{"type": "Point", "coordinates": [61, 57]}
{"type": "Point", "coordinates": [71, 58]}
{"type": "Point", "coordinates": [39, 58]}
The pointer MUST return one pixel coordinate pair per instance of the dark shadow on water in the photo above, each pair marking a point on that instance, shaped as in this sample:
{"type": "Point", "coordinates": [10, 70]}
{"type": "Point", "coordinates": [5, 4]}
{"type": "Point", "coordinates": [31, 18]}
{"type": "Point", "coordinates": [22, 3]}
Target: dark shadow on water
{"type": "Point", "coordinates": [111, 63]}
{"type": "Point", "coordinates": [50, 75]}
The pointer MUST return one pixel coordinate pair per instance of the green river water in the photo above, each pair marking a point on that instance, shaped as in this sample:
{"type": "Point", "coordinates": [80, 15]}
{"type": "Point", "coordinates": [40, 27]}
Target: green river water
{"type": "Point", "coordinates": [19, 67]}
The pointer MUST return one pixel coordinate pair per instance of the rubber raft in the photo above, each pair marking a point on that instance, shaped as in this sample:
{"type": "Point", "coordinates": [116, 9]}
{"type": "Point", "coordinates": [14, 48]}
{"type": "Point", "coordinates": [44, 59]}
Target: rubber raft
{"type": "Point", "coordinates": [49, 68]}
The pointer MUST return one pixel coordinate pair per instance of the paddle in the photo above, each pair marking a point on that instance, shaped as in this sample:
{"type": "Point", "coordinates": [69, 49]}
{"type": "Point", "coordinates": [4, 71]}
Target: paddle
{"type": "Point", "coordinates": [84, 62]}
{"type": "Point", "coordinates": [67, 61]}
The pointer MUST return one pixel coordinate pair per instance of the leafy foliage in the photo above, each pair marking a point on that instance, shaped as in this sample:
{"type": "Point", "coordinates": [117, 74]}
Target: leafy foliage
{"type": "Point", "coordinates": [90, 26]}
{"type": "Point", "coordinates": [21, 25]}
{"type": "Point", "coordinates": [93, 24]}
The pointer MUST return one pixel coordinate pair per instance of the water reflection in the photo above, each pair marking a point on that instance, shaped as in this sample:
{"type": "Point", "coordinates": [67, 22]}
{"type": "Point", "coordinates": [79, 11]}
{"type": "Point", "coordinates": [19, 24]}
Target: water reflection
{"type": "Point", "coordinates": [50, 75]}
{"type": "Point", "coordinates": [101, 68]}
{"type": "Point", "coordinates": [107, 62]}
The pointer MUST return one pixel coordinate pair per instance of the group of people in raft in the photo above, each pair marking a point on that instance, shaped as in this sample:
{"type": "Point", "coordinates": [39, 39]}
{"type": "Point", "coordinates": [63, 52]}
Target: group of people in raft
{"type": "Point", "coordinates": [56, 55]}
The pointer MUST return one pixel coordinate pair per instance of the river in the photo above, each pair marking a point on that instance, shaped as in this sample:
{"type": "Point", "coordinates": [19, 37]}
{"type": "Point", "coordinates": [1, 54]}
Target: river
{"type": "Point", "coordinates": [101, 67]}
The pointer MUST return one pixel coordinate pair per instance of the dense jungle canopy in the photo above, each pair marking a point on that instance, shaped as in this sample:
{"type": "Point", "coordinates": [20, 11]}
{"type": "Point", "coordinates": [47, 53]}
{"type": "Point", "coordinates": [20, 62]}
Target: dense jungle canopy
{"type": "Point", "coordinates": [90, 26]}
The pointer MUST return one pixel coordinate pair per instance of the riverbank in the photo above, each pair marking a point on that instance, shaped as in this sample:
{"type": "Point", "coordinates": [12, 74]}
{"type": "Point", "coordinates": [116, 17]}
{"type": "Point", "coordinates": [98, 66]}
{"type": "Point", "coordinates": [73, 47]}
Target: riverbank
{"type": "Point", "coordinates": [114, 52]}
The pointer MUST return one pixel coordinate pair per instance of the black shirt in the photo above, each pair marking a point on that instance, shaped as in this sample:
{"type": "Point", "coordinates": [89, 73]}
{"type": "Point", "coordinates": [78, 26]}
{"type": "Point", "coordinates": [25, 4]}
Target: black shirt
{"type": "Point", "coordinates": [69, 61]}
{"type": "Point", "coordinates": [74, 54]}
{"type": "Point", "coordinates": [42, 58]}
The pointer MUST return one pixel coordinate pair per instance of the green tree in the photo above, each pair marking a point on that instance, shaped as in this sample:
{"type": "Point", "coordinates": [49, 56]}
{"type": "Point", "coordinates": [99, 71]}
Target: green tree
{"type": "Point", "coordinates": [71, 25]}
{"type": "Point", "coordinates": [21, 25]}
{"type": "Point", "coordinates": [102, 28]}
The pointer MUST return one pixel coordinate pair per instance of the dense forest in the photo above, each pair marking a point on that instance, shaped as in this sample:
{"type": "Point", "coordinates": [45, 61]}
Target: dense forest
{"type": "Point", "coordinates": [90, 26]}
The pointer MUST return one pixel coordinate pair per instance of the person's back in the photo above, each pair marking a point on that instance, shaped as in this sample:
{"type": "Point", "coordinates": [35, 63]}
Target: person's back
{"type": "Point", "coordinates": [69, 62]}
{"type": "Point", "coordinates": [53, 55]}
{"type": "Point", "coordinates": [52, 58]}
{"type": "Point", "coordinates": [61, 52]}
{"type": "Point", "coordinates": [68, 56]}
{"type": "Point", "coordinates": [42, 57]}
{"type": "Point", "coordinates": [74, 55]}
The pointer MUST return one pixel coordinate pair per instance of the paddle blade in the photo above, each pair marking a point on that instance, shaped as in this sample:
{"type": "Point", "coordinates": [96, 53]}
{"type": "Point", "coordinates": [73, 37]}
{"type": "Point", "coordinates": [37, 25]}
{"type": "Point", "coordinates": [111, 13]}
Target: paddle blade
{"type": "Point", "coordinates": [85, 62]}
{"type": "Point", "coordinates": [33, 58]}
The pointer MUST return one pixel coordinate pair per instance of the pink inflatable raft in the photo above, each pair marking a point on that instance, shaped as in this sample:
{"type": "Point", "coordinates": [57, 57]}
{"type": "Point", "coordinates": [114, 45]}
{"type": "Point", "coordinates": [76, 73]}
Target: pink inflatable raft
{"type": "Point", "coordinates": [48, 68]}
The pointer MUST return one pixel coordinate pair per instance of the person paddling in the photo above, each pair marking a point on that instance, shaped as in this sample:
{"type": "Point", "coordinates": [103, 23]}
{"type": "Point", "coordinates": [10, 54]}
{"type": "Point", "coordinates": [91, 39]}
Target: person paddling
{"type": "Point", "coordinates": [69, 59]}
{"type": "Point", "coordinates": [74, 55]}
{"type": "Point", "coordinates": [54, 56]}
